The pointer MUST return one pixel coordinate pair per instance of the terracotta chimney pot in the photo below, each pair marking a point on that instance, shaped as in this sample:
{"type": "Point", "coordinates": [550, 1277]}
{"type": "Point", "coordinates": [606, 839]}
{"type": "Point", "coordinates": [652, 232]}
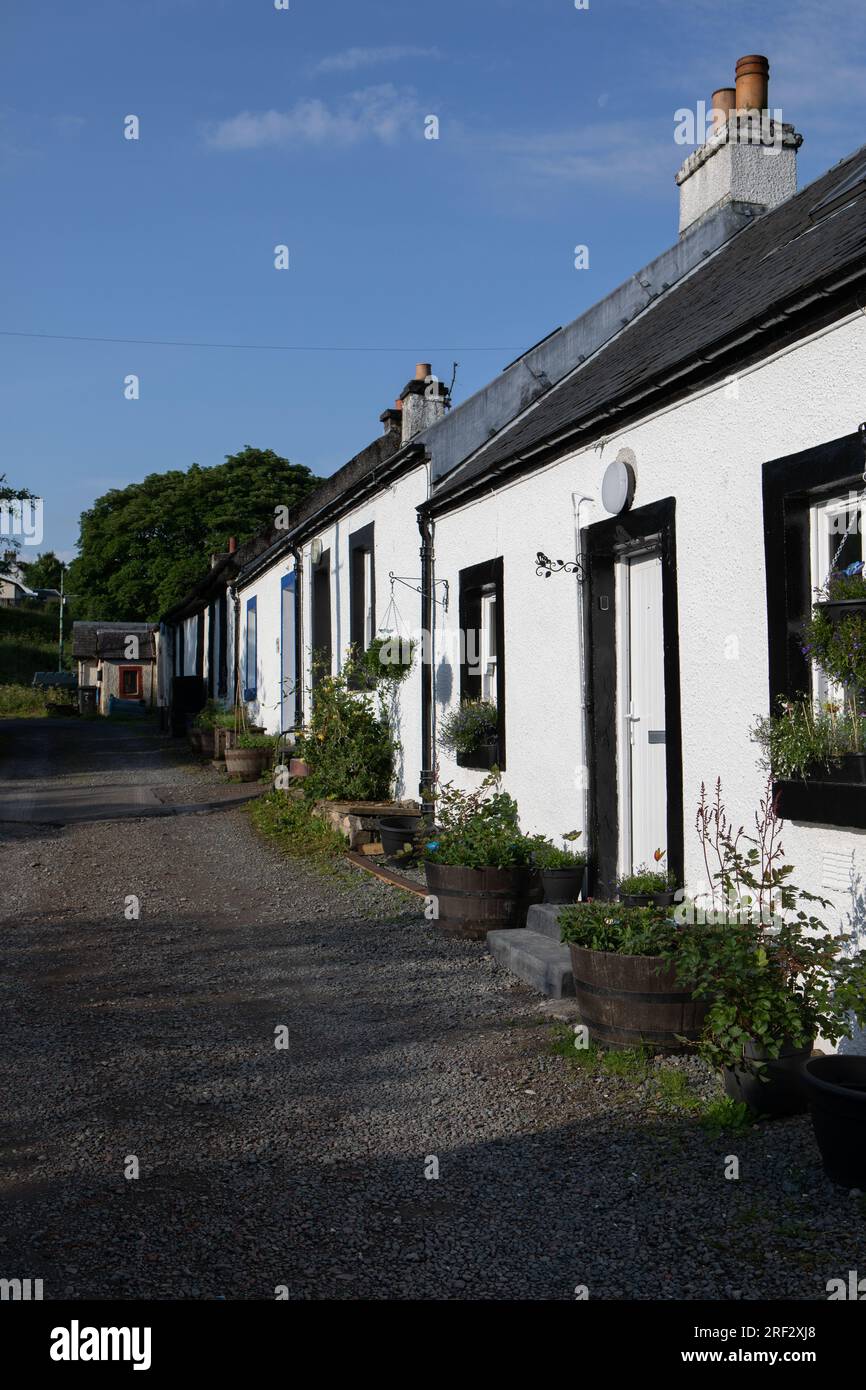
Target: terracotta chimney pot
{"type": "Point", "coordinates": [753, 80]}
{"type": "Point", "coordinates": [422, 371]}
{"type": "Point", "coordinates": [723, 102]}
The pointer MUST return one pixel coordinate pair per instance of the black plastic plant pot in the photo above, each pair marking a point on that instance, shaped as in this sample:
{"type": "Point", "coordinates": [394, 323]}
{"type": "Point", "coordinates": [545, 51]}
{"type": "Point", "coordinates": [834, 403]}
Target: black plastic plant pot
{"type": "Point", "coordinates": [564, 885]}
{"type": "Point", "coordinates": [400, 835]}
{"type": "Point", "coordinates": [836, 1092]}
{"type": "Point", "coordinates": [664, 899]}
{"type": "Point", "coordinates": [636, 899]}
{"type": "Point", "coordinates": [850, 768]}
{"type": "Point", "coordinates": [834, 610]}
{"type": "Point", "coordinates": [771, 1086]}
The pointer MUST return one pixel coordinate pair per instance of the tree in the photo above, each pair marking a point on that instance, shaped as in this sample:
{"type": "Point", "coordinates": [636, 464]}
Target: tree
{"type": "Point", "coordinates": [10, 543]}
{"type": "Point", "coordinates": [43, 572]}
{"type": "Point", "coordinates": [142, 547]}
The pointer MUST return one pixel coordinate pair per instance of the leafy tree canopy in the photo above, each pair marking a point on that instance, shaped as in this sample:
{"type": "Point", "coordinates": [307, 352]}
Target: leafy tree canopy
{"type": "Point", "coordinates": [142, 547]}
{"type": "Point", "coordinates": [11, 544]}
{"type": "Point", "coordinates": [43, 572]}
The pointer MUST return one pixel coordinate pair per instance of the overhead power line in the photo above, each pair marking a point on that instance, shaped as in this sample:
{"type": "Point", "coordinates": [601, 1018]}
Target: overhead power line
{"type": "Point", "coordinates": [249, 347]}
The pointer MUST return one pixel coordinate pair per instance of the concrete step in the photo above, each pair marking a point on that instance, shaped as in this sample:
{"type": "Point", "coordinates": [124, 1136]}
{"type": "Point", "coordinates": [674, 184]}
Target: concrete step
{"type": "Point", "coordinates": [533, 957]}
{"type": "Point", "coordinates": [542, 918]}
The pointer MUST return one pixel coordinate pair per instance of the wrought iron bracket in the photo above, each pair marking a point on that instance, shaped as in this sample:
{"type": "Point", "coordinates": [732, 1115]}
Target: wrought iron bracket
{"type": "Point", "coordinates": [545, 567]}
{"type": "Point", "coordinates": [415, 584]}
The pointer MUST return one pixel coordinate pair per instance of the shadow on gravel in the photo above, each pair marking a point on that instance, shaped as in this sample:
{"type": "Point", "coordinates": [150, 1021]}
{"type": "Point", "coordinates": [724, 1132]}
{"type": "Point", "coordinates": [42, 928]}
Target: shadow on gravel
{"type": "Point", "coordinates": [305, 1167]}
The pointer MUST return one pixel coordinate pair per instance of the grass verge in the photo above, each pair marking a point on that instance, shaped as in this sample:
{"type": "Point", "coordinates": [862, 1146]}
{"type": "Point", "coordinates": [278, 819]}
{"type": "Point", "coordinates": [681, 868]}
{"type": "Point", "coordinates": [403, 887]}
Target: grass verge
{"type": "Point", "coordinates": [666, 1088]}
{"type": "Point", "coordinates": [22, 702]}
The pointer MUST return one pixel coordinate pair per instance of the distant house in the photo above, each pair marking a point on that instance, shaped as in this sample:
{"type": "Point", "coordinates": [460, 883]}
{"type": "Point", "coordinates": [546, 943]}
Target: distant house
{"type": "Point", "coordinates": [118, 659]}
{"type": "Point", "coordinates": [13, 590]}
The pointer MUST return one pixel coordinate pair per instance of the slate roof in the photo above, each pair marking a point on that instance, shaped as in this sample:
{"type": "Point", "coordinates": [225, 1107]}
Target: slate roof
{"type": "Point", "coordinates": [107, 641]}
{"type": "Point", "coordinates": [815, 238]}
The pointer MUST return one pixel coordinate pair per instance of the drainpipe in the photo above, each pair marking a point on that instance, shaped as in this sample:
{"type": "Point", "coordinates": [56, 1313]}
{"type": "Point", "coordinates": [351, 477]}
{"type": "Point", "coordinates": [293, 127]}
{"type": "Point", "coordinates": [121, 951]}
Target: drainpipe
{"type": "Point", "coordinates": [577, 501]}
{"type": "Point", "coordinates": [297, 555]}
{"type": "Point", "coordinates": [425, 788]}
{"type": "Point", "coordinates": [236, 604]}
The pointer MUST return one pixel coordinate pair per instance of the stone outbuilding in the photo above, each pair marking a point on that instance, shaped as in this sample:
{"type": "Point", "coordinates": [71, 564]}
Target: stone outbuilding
{"type": "Point", "coordinates": [119, 660]}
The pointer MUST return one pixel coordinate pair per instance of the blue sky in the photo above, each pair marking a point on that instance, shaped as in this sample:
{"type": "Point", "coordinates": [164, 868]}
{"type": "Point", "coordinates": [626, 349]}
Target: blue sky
{"type": "Point", "coordinates": [305, 127]}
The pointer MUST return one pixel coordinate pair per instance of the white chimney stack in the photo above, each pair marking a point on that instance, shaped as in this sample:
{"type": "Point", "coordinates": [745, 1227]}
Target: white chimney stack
{"type": "Point", "coordinates": [424, 401]}
{"type": "Point", "coordinates": [750, 156]}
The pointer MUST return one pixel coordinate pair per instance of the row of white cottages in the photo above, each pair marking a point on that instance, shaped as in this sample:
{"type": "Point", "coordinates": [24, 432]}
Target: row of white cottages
{"type": "Point", "coordinates": [726, 384]}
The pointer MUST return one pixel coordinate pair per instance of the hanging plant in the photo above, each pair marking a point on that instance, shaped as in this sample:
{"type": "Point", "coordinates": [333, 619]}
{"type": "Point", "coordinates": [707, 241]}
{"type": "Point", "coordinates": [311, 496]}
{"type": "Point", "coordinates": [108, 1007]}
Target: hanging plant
{"type": "Point", "coordinates": [835, 640]}
{"type": "Point", "coordinates": [388, 658]}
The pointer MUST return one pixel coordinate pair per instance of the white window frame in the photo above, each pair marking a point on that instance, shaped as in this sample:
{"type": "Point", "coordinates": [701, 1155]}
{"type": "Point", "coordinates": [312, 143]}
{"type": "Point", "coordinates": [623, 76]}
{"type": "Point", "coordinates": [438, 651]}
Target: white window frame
{"type": "Point", "coordinates": [488, 654]}
{"type": "Point", "coordinates": [368, 598]}
{"type": "Point", "coordinates": [823, 544]}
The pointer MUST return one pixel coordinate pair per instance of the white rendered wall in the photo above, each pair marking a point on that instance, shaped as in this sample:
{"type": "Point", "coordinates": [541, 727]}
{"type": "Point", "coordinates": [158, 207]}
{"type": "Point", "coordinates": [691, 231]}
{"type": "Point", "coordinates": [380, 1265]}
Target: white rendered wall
{"type": "Point", "coordinates": [265, 588]}
{"type": "Point", "coordinates": [707, 453]}
{"type": "Point", "coordinates": [397, 545]}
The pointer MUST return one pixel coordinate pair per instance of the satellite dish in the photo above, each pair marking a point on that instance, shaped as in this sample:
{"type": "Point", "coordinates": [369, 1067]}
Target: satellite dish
{"type": "Point", "coordinates": [316, 551]}
{"type": "Point", "coordinates": [617, 487]}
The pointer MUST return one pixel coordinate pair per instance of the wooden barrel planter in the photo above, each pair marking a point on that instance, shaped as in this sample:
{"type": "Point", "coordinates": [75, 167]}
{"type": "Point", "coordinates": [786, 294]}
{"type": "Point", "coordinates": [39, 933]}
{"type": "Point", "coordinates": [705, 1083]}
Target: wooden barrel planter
{"type": "Point", "coordinates": [200, 741]}
{"type": "Point", "coordinates": [627, 1001]}
{"type": "Point", "coordinates": [247, 763]}
{"type": "Point", "coordinates": [472, 902]}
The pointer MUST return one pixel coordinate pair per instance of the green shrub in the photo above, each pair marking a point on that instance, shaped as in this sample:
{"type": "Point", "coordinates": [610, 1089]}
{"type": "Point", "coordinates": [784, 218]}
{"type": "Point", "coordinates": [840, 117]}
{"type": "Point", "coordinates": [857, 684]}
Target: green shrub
{"type": "Point", "coordinates": [21, 702]}
{"type": "Point", "coordinates": [546, 855]}
{"type": "Point", "coordinates": [291, 823]}
{"type": "Point", "coordinates": [478, 829]}
{"type": "Point", "coordinates": [625, 931]}
{"type": "Point", "coordinates": [474, 724]}
{"type": "Point", "coordinates": [348, 747]}
{"type": "Point", "coordinates": [256, 741]}
{"type": "Point", "coordinates": [785, 976]}
{"type": "Point", "coordinates": [645, 880]}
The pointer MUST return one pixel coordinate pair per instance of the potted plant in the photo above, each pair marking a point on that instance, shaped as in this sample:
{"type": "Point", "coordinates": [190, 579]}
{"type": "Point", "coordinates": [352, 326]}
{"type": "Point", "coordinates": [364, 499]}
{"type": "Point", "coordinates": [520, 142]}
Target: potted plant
{"type": "Point", "coordinates": [201, 730]}
{"type": "Point", "coordinates": [843, 596]}
{"type": "Point", "coordinates": [815, 742]}
{"type": "Point", "coordinates": [471, 732]}
{"type": "Point", "coordinates": [563, 871]}
{"type": "Point", "coordinates": [648, 887]}
{"type": "Point", "coordinates": [625, 980]}
{"type": "Point", "coordinates": [250, 756]}
{"type": "Point", "coordinates": [773, 974]}
{"type": "Point", "coordinates": [478, 865]}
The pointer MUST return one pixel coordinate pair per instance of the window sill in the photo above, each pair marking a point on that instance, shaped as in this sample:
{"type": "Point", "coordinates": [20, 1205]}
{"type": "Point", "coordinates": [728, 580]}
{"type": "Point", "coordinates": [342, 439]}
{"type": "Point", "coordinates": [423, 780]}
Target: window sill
{"type": "Point", "coordinates": [822, 802]}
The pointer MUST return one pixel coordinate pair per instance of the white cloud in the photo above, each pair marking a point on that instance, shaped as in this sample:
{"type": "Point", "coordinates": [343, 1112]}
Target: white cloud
{"type": "Point", "coordinates": [380, 113]}
{"type": "Point", "coordinates": [619, 152]}
{"type": "Point", "coordinates": [351, 59]}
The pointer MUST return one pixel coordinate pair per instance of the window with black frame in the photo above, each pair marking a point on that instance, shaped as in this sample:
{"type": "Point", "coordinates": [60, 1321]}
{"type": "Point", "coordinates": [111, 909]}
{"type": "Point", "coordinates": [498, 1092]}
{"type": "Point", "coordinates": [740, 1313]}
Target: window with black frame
{"type": "Point", "coordinates": [362, 591]}
{"type": "Point", "coordinates": [814, 735]}
{"type": "Point", "coordinates": [477, 727]}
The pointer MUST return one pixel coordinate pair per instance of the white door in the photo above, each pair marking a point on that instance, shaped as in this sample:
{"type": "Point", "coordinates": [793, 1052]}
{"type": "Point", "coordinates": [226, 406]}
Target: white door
{"type": "Point", "coordinates": [641, 683]}
{"type": "Point", "coordinates": [288, 712]}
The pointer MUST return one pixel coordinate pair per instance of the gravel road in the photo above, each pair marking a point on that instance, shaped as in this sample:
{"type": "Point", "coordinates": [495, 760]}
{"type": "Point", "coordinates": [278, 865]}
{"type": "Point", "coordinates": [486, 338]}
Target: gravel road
{"type": "Point", "coordinates": [304, 1169]}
